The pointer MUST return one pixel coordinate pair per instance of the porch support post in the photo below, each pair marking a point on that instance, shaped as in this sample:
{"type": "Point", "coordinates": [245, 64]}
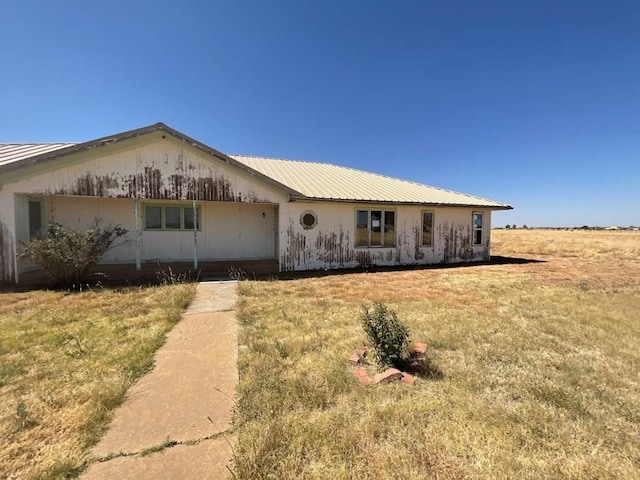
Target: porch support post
{"type": "Point", "coordinates": [136, 214]}
{"type": "Point", "coordinates": [195, 235]}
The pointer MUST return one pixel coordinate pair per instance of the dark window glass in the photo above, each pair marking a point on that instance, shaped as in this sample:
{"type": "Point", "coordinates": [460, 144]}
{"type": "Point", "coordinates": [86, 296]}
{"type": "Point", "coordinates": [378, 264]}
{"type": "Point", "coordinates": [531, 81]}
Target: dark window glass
{"type": "Point", "coordinates": [477, 228]}
{"type": "Point", "coordinates": [153, 218]}
{"type": "Point", "coordinates": [308, 220]}
{"type": "Point", "coordinates": [376, 228]}
{"type": "Point", "coordinates": [427, 229]}
{"type": "Point", "coordinates": [188, 218]}
{"type": "Point", "coordinates": [172, 218]}
{"type": "Point", "coordinates": [35, 218]}
{"type": "Point", "coordinates": [362, 228]}
{"type": "Point", "coordinates": [389, 229]}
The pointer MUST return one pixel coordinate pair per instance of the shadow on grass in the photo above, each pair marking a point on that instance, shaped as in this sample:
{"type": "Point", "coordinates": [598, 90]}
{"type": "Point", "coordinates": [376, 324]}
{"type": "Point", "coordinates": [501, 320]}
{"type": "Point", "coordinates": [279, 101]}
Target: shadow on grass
{"type": "Point", "coordinates": [495, 260]}
{"type": "Point", "coordinates": [122, 276]}
{"type": "Point", "coordinates": [422, 367]}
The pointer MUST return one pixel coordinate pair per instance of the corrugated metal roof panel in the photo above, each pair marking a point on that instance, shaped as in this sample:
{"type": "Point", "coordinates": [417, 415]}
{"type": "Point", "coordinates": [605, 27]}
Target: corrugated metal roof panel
{"type": "Point", "coordinates": [13, 152]}
{"type": "Point", "coordinates": [333, 182]}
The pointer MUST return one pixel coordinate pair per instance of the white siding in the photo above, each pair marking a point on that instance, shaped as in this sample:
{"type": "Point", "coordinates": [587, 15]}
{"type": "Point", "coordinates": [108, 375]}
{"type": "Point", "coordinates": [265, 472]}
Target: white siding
{"type": "Point", "coordinates": [229, 231]}
{"type": "Point", "coordinates": [104, 183]}
{"type": "Point", "coordinates": [160, 170]}
{"type": "Point", "coordinates": [331, 243]}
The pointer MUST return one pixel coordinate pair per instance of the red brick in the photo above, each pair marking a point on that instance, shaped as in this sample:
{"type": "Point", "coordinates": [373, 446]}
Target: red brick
{"type": "Point", "coordinates": [388, 375]}
{"type": "Point", "coordinates": [354, 358]}
{"type": "Point", "coordinates": [362, 375]}
{"type": "Point", "coordinates": [408, 378]}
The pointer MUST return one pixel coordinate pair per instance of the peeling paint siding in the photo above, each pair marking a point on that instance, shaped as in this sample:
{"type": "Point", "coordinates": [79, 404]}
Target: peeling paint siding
{"type": "Point", "coordinates": [80, 214]}
{"type": "Point", "coordinates": [331, 243]}
{"type": "Point", "coordinates": [8, 273]}
{"type": "Point", "coordinates": [160, 171]}
{"type": "Point", "coordinates": [86, 186]}
{"type": "Point", "coordinates": [229, 231]}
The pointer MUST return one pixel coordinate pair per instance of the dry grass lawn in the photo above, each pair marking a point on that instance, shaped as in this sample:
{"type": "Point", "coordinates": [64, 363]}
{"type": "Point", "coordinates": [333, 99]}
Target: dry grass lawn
{"type": "Point", "coordinates": [540, 361]}
{"type": "Point", "coordinates": [65, 364]}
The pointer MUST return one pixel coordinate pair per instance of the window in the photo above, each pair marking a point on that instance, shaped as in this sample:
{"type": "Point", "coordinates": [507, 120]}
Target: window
{"type": "Point", "coordinates": [478, 219]}
{"type": "Point", "coordinates": [189, 221]}
{"type": "Point", "coordinates": [308, 219]}
{"type": "Point", "coordinates": [171, 217]}
{"type": "Point", "coordinates": [427, 229]}
{"type": "Point", "coordinates": [35, 218]}
{"type": "Point", "coordinates": [375, 228]}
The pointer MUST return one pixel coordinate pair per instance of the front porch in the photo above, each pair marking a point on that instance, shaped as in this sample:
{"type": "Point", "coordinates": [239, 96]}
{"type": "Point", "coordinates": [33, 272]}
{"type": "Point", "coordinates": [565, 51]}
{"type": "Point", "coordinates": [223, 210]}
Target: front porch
{"type": "Point", "coordinates": [162, 234]}
{"type": "Point", "coordinates": [153, 273]}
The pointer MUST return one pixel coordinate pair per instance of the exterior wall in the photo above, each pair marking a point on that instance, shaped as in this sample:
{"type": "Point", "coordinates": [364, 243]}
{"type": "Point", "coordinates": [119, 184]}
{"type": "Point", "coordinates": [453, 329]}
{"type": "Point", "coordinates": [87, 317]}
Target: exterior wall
{"type": "Point", "coordinates": [7, 237]}
{"type": "Point", "coordinates": [229, 231]}
{"type": "Point", "coordinates": [331, 243]}
{"type": "Point", "coordinates": [163, 169]}
{"type": "Point", "coordinates": [239, 210]}
{"type": "Point", "coordinates": [243, 218]}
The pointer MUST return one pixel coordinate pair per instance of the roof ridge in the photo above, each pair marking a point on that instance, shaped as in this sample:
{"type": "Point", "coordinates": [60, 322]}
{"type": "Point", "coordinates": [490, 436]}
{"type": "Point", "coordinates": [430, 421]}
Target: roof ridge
{"type": "Point", "coordinates": [368, 173]}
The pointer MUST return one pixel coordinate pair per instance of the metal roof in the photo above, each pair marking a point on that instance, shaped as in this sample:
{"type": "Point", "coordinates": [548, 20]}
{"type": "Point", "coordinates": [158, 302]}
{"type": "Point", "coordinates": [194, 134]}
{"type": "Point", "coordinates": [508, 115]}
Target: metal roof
{"type": "Point", "coordinates": [13, 152]}
{"type": "Point", "coordinates": [323, 181]}
{"type": "Point", "coordinates": [302, 180]}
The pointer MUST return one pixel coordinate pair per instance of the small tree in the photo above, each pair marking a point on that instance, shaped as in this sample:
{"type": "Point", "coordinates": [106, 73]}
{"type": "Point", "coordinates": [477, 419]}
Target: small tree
{"type": "Point", "coordinates": [68, 255]}
{"type": "Point", "coordinates": [508, 226]}
{"type": "Point", "coordinates": [388, 335]}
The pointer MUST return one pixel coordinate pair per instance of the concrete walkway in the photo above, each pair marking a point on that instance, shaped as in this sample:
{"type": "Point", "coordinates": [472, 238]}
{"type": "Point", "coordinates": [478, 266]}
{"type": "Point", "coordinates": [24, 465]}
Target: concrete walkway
{"type": "Point", "coordinates": [175, 421]}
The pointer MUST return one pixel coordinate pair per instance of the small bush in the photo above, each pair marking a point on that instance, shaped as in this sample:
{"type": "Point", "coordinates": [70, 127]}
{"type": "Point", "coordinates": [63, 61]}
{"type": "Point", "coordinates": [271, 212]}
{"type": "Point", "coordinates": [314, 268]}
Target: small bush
{"type": "Point", "coordinates": [168, 277]}
{"type": "Point", "coordinates": [68, 255]}
{"type": "Point", "coordinates": [388, 335]}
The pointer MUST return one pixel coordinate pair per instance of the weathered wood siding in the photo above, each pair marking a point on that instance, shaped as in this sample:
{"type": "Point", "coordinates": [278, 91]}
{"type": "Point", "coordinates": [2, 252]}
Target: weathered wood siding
{"type": "Point", "coordinates": [331, 243]}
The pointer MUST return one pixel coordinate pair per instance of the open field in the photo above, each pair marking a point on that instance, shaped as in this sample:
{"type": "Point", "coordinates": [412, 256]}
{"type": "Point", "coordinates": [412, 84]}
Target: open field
{"type": "Point", "coordinates": [65, 364]}
{"type": "Point", "coordinates": [540, 366]}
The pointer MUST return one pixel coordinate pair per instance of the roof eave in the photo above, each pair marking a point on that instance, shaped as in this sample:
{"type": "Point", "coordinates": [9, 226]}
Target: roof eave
{"type": "Point", "coordinates": [304, 198]}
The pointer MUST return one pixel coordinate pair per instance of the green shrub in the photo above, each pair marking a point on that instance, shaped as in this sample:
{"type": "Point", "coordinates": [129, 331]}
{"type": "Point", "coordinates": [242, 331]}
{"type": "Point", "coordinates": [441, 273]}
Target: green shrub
{"type": "Point", "coordinates": [388, 336]}
{"type": "Point", "coordinates": [68, 255]}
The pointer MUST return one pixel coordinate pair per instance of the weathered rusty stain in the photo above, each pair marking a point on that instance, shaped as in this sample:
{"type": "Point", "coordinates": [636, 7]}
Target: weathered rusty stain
{"type": "Point", "coordinates": [333, 248]}
{"type": "Point", "coordinates": [296, 253]}
{"type": "Point", "coordinates": [215, 189]}
{"type": "Point", "coordinates": [90, 186]}
{"type": "Point", "coordinates": [456, 240]}
{"type": "Point", "coordinates": [418, 254]}
{"type": "Point", "coordinates": [186, 181]}
{"type": "Point", "coordinates": [7, 256]}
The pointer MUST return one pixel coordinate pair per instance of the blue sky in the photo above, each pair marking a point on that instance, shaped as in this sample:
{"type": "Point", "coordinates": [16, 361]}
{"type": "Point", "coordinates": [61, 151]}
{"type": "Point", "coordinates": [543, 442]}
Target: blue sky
{"type": "Point", "coordinates": [533, 103]}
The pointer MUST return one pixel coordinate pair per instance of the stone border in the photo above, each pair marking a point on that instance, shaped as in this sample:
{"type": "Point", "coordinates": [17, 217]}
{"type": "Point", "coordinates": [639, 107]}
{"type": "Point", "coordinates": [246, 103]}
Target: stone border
{"type": "Point", "coordinates": [359, 356]}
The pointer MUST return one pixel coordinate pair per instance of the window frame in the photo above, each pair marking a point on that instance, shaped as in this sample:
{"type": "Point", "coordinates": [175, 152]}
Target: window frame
{"type": "Point", "coordinates": [315, 219]}
{"type": "Point", "coordinates": [163, 217]}
{"type": "Point", "coordinates": [475, 229]}
{"type": "Point", "coordinates": [431, 240]}
{"type": "Point", "coordinates": [383, 216]}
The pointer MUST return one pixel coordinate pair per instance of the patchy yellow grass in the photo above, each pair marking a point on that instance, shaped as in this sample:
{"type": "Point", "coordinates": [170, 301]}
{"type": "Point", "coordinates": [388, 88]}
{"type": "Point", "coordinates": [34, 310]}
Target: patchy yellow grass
{"type": "Point", "coordinates": [65, 364]}
{"type": "Point", "coordinates": [540, 364]}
